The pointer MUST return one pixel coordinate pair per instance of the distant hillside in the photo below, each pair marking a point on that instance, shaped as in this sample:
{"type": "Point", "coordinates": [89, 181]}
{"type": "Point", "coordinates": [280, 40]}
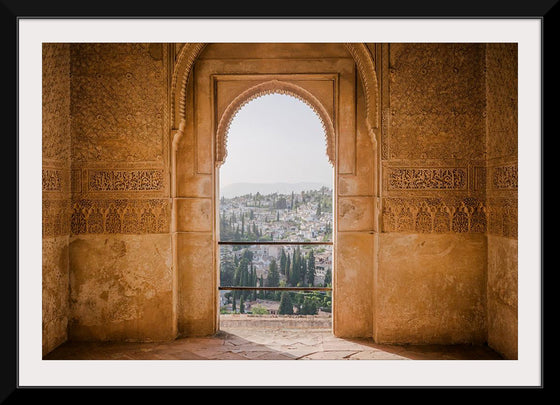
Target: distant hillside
{"type": "Point", "coordinates": [237, 189]}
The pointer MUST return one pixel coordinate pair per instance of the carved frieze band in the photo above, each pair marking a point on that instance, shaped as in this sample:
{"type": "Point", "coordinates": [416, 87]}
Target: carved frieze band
{"type": "Point", "coordinates": [52, 180]}
{"type": "Point", "coordinates": [502, 217]}
{"type": "Point", "coordinates": [411, 178]}
{"type": "Point", "coordinates": [496, 216]}
{"type": "Point", "coordinates": [120, 216]}
{"type": "Point", "coordinates": [504, 177]}
{"type": "Point", "coordinates": [55, 218]}
{"type": "Point", "coordinates": [125, 180]}
{"type": "Point", "coordinates": [434, 215]}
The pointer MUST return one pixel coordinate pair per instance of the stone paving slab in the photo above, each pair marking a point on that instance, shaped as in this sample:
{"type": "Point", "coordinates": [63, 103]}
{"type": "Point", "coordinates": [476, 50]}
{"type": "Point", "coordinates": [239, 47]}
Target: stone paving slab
{"type": "Point", "coordinates": [376, 355]}
{"type": "Point", "coordinates": [329, 355]}
{"type": "Point", "coordinates": [268, 344]}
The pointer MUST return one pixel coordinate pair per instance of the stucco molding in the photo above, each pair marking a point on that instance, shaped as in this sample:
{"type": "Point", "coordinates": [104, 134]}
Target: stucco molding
{"type": "Point", "coordinates": [360, 53]}
{"type": "Point", "coordinates": [272, 87]}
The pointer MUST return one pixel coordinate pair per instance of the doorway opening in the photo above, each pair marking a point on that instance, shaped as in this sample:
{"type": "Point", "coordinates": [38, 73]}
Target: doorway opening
{"type": "Point", "coordinates": [275, 218]}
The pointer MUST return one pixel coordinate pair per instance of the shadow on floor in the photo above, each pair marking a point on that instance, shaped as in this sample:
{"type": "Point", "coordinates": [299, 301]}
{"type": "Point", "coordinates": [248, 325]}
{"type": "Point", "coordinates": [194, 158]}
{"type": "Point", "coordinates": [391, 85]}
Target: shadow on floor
{"type": "Point", "coordinates": [267, 344]}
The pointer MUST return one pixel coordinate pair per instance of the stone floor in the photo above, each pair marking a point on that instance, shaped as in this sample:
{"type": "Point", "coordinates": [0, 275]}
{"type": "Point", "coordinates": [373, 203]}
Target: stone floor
{"type": "Point", "coordinates": [272, 343]}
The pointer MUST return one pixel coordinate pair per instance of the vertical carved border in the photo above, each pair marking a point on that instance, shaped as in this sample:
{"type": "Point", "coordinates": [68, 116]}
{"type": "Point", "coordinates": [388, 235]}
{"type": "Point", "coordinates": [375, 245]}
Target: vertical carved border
{"type": "Point", "coordinates": [385, 65]}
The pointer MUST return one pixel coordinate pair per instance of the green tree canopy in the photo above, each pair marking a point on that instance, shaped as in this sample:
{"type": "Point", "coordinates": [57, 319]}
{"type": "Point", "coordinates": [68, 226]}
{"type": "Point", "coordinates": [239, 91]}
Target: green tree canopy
{"type": "Point", "coordinates": [273, 277]}
{"type": "Point", "coordinates": [286, 306]}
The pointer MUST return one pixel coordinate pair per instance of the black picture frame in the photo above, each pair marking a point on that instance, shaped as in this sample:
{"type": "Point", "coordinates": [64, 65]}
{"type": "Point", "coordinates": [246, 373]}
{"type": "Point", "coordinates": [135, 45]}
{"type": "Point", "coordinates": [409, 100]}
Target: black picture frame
{"type": "Point", "coordinates": [12, 10]}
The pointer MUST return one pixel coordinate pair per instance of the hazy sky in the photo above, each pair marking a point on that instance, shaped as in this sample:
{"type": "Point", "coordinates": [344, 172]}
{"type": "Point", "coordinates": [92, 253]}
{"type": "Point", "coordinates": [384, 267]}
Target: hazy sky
{"type": "Point", "coordinates": [276, 138]}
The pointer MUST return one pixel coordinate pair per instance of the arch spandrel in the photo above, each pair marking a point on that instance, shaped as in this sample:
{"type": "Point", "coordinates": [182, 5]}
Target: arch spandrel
{"type": "Point", "coordinates": [360, 53]}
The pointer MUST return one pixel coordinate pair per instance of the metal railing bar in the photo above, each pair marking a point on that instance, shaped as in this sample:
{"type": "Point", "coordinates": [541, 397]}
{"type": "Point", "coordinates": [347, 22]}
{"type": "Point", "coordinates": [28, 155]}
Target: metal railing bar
{"type": "Point", "coordinates": [277, 288]}
{"type": "Point", "coordinates": [273, 243]}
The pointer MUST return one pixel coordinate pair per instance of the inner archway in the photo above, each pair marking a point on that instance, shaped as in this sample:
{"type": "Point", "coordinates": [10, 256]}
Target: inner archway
{"type": "Point", "coordinates": [275, 213]}
{"type": "Point", "coordinates": [216, 87]}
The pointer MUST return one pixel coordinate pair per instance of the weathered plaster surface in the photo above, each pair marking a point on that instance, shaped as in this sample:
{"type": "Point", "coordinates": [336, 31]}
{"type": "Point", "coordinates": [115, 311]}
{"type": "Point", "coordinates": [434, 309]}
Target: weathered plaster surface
{"type": "Point", "coordinates": [502, 295]}
{"type": "Point", "coordinates": [431, 289]}
{"type": "Point", "coordinates": [55, 192]}
{"type": "Point", "coordinates": [196, 284]}
{"type": "Point", "coordinates": [431, 277]}
{"type": "Point", "coordinates": [55, 292]}
{"type": "Point", "coordinates": [502, 191]}
{"type": "Point", "coordinates": [121, 288]}
{"type": "Point", "coordinates": [352, 308]}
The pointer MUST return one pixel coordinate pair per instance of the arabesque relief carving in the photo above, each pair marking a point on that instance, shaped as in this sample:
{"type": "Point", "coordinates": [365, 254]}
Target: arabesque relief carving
{"type": "Point", "coordinates": [56, 102]}
{"type": "Point", "coordinates": [126, 180]}
{"type": "Point", "coordinates": [502, 117]}
{"type": "Point", "coordinates": [414, 178]}
{"type": "Point", "coordinates": [55, 217]}
{"type": "Point", "coordinates": [434, 215]}
{"type": "Point", "coordinates": [436, 109]}
{"type": "Point", "coordinates": [504, 177]}
{"type": "Point", "coordinates": [119, 103]}
{"type": "Point", "coordinates": [52, 180]}
{"type": "Point", "coordinates": [502, 217]}
{"type": "Point", "coordinates": [120, 216]}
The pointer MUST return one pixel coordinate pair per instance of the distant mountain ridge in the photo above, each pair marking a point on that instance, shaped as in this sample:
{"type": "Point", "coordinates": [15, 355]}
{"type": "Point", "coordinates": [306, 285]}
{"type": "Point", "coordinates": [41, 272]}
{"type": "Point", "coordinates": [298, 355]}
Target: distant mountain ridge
{"type": "Point", "coordinates": [238, 189]}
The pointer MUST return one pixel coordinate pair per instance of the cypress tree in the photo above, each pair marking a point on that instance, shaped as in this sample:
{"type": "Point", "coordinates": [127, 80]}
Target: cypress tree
{"type": "Point", "coordinates": [288, 269]}
{"type": "Point", "coordinates": [283, 262]}
{"type": "Point", "coordinates": [296, 267]}
{"type": "Point", "coordinates": [286, 306]}
{"type": "Point", "coordinates": [273, 278]}
{"type": "Point", "coordinates": [328, 278]}
{"type": "Point", "coordinates": [311, 269]}
{"type": "Point", "coordinates": [303, 273]}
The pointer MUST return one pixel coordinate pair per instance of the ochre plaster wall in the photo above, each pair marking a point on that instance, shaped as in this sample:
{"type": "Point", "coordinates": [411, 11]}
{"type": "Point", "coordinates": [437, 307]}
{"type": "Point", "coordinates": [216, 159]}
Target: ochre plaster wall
{"type": "Point", "coordinates": [121, 280]}
{"type": "Point", "coordinates": [431, 277]}
{"type": "Point", "coordinates": [56, 193]}
{"type": "Point", "coordinates": [501, 93]}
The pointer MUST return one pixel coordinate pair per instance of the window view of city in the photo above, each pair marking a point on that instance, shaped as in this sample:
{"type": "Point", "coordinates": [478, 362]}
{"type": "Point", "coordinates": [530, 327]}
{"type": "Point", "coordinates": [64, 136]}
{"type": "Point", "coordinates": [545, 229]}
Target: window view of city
{"type": "Point", "coordinates": [276, 213]}
{"type": "Point", "coordinates": [303, 217]}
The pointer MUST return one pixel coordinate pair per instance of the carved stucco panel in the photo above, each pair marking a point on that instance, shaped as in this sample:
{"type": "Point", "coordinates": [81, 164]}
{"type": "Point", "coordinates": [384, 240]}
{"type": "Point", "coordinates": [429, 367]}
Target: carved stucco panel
{"type": "Point", "coordinates": [434, 215]}
{"type": "Point", "coordinates": [124, 216]}
{"type": "Point", "coordinates": [437, 101]}
{"type": "Point", "coordinates": [119, 103]}
{"type": "Point", "coordinates": [56, 102]}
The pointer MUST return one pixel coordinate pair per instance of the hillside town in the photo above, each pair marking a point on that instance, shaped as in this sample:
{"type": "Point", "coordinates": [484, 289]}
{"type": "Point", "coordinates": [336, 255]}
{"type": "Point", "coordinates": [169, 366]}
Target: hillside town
{"type": "Point", "coordinates": [294, 217]}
